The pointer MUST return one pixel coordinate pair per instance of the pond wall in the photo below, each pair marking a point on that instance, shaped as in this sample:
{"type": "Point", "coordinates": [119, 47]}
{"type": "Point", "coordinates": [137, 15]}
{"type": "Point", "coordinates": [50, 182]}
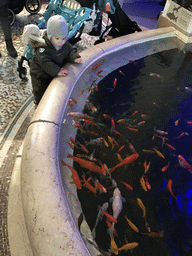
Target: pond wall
{"type": "Point", "coordinates": [49, 201]}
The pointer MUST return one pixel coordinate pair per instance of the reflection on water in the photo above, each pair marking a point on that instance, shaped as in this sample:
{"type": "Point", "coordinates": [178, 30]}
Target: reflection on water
{"type": "Point", "coordinates": [148, 107]}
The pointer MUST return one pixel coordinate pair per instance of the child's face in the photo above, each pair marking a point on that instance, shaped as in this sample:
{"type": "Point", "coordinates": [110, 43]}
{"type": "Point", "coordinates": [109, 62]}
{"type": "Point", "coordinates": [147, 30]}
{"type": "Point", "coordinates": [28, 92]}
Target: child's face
{"type": "Point", "coordinates": [58, 41]}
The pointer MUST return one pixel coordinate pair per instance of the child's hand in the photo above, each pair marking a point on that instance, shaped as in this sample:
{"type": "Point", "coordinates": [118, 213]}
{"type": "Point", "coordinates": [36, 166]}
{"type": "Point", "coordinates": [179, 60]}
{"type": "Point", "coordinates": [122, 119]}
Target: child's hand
{"type": "Point", "coordinates": [78, 60]}
{"type": "Point", "coordinates": [63, 72]}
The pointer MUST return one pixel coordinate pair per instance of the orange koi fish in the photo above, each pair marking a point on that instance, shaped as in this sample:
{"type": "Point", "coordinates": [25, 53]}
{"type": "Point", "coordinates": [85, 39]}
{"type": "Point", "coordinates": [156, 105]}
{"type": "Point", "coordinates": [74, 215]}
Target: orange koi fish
{"type": "Point", "coordinates": [153, 137]}
{"type": "Point", "coordinates": [177, 122]}
{"type": "Point", "coordinates": [170, 146]}
{"type": "Point", "coordinates": [75, 175]}
{"type": "Point", "coordinates": [135, 113]}
{"type": "Point", "coordinates": [73, 141]}
{"type": "Point", "coordinates": [115, 142]}
{"type": "Point", "coordinates": [148, 151]}
{"type": "Point", "coordinates": [117, 132]}
{"type": "Point", "coordinates": [183, 163]}
{"type": "Point", "coordinates": [119, 158]}
{"type": "Point", "coordinates": [157, 75]}
{"type": "Point", "coordinates": [140, 203]}
{"type": "Point", "coordinates": [153, 234]}
{"type": "Point", "coordinates": [128, 160]}
{"type": "Point", "coordinates": [106, 144]}
{"type": "Point", "coordinates": [88, 185]}
{"type": "Point", "coordinates": [113, 123]}
{"type": "Point", "coordinates": [70, 145]}
{"type": "Point", "coordinates": [189, 122]}
{"type": "Point", "coordinates": [127, 185]}
{"type": "Point", "coordinates": [100, 187]}
{"type": "Point", "coordinates": [88, 164]}
{"type": "Point", "coordinates": [147, 167]}
{"type": "Point", "coordinates": [96, 66]}
{"type": "Point", "coordinates": [114, 83]}
{"type": "Point", "coordinates": [98, 72]}
{"type": "Point", "coordinates": [132, 225]}
{"type": "Point", "coordinates": [164, 169]}
{"type": "Point", "coordinates": [109, 216]}
{"type": "Point", "coordinates": [121, 148]}
{"type": "Point", "coordinates": [83, 147]}
{"type": "Point", "coordinates": [143, 185]}
{"type": "Point", "coordinates": [169, 187]}
{"type": "Point", "coordinates": [96, 88]}
{"type": "Point", "coordinates": [122, 121]}
{"type": "Point", "coordinates": [78, 125]}
{"type": "Point", "coordinates": [132, 129]}
{"type": "Point", "coordinates": [114, 247]}
{"type": "Point", "coordinates": [128, 246]}
{"type": "Point", "coordinates": [107, 116]}
{"type": "Point", "coordinates": [182, 134]}
{"type": "Point", "coordinates": [159, 153]}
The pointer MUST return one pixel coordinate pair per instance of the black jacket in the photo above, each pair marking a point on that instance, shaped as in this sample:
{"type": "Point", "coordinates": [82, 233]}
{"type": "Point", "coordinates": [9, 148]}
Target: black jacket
{"type": "Point", "coordinates": [47, 63]}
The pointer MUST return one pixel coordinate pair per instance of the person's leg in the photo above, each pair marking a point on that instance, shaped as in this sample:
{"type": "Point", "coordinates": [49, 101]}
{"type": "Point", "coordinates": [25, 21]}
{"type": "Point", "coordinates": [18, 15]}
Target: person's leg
{"type": "Point", "coordinates": [6, 27]}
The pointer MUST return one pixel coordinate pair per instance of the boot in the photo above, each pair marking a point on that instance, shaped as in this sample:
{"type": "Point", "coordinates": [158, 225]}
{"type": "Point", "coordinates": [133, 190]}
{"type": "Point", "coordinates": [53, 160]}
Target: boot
{"type": "Point", "coordinates": [10, 48]}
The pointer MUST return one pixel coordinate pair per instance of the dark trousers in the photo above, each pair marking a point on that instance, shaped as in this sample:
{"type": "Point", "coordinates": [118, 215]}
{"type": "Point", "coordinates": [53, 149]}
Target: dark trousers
{"type": "Point", "coordinates": [5, 21]}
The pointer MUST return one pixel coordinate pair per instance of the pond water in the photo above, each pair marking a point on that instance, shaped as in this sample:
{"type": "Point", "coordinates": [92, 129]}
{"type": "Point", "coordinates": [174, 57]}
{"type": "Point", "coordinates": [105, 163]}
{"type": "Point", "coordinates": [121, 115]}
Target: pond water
{"type": "Point", "coordinates": [141, 110]}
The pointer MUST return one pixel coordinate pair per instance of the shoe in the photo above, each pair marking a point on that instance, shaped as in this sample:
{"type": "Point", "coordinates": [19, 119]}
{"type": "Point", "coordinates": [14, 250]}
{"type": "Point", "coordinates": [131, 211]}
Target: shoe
{"type": "Point", "coordinates": [10, 48]}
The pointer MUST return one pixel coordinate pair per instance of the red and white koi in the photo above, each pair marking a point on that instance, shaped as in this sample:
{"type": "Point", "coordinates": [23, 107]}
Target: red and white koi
{"type": "Point", "coordinates": [183, 163]}
{"type": "Point", "coordinates": [91, 106]}
{"type": "Point", "coordinates": [161, 132]}
{"type": "Point", "coordinates": [79, 115]}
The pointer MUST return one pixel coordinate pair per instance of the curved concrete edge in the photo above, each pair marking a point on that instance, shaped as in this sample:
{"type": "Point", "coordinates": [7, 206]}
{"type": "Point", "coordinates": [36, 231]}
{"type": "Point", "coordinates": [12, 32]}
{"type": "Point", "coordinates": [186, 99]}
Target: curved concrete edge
{"type": "Point", "coordinates": [18, 239]}
{"type": "Point", "coordinates": [51, 226]}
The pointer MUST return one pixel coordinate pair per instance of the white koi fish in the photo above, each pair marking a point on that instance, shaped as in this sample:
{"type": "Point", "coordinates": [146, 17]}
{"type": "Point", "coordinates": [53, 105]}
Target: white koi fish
{"type": "Point", "coordinates": [99, 218]}
{"type": "Point", "coordinates": [117, 207]}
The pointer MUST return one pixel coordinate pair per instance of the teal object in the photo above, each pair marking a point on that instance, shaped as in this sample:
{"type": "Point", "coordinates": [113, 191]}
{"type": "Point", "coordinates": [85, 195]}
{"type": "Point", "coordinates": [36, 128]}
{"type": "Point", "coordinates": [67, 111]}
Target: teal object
{"type": "Point", "coordinates": [102, 4]}
{"type": "Point", "coordinates": [74, 18]}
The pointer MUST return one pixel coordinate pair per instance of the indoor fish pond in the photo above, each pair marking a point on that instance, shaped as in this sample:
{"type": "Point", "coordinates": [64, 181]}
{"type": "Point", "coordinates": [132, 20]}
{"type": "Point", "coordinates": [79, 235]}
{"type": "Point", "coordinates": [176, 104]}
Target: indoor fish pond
{"type": "Point", "coordinates": [132, 158]}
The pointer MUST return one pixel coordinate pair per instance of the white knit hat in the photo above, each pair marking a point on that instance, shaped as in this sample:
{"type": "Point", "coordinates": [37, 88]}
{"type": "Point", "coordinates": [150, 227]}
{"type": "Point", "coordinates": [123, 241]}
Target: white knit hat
{"type": "Point", "coordinates": [57, 26]}
{"type": "Point", "coordinates": [29, 30]}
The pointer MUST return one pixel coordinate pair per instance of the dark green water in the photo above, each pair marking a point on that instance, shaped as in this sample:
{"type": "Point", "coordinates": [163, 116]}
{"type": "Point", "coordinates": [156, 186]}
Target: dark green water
{"type": "Point", "coordinates": [160, 87]}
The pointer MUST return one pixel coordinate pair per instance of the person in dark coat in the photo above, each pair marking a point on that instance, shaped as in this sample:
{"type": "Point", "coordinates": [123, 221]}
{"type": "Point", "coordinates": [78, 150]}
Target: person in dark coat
{"type": "Point", "coordinates": [121, 23]}
{"type": "Point", "coordinates": [6, 27]}
{"type": "Point", "coordinates": [51, 55]}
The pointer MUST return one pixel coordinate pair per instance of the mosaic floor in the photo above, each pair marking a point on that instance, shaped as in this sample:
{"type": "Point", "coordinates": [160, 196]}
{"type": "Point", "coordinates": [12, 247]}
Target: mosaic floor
{"type": "Point", "coordinates": [16, 110]}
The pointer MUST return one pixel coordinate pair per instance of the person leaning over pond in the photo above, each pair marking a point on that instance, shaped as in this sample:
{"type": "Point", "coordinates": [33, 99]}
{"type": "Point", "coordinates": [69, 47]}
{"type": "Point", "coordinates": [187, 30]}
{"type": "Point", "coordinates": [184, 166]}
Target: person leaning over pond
{"type": "Point", "coordinates": [6, 27]}
{"type": "Point", "coordinates": [51, 53]}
